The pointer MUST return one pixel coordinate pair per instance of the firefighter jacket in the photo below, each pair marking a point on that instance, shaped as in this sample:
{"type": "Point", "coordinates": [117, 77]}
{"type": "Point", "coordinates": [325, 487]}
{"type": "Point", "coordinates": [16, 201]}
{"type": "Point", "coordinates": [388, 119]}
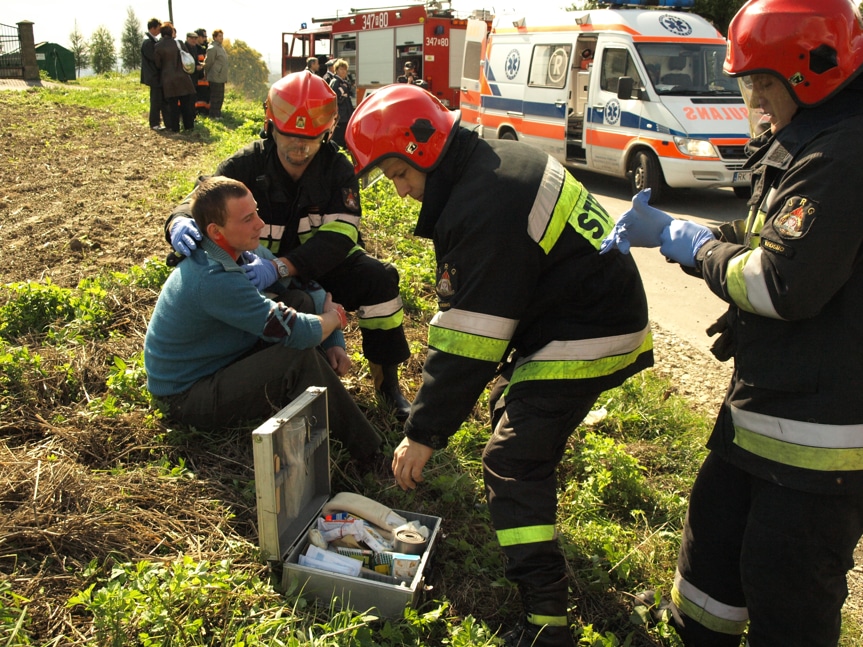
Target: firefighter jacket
{"type": "Point", "coordinates": [520, 278]}
{"type": "Point", "coordinates": [793, 277]}
{"type": "Point", "coordinates": [313, 222]}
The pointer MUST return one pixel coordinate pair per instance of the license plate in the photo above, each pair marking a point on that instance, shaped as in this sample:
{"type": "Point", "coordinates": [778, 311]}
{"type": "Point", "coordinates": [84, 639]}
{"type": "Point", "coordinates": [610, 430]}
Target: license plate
{"type": "Point", "coordinates": [742, 176]}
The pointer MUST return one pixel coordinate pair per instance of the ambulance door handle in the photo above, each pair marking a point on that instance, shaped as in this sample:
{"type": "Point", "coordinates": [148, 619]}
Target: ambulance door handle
{"type": "Point", "coordinates": [559, 104]}
{"type": "Point", "coordinates": [514, 114]}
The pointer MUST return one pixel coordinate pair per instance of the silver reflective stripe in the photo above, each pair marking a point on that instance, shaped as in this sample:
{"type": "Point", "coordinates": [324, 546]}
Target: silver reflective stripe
{"type": "Point", "coordinates": [275, 232]}
{"type": "Point", "coordinates": [589, 349]}
{"type": "Point", "coordinates": [712, 606]}
{"type": "Point", "coordinates": [756, 285]}
{"type": "Point", "coordinates": [349, 218]}
{"type": "Point", "coordinates": [475, 323]}
{"type": "Point", "coordinates": [797, 432]}
{"type": "Point", "coordinates": [384, 309]}
{"type": "Point", "coordinates": [546, 199]}
{"type": "Point", "coordinates": [304, 226]}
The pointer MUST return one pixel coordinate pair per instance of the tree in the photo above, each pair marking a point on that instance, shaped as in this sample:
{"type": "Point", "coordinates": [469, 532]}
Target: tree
{"type": "Point", "coordinates": [130, 42]}
{"type": "Point", "coordinates": [247, 70]}
{"type": "Point", "coordinates": [718, 12]}
{"type": "Point", "coordinates": [78, 47]}
{"type": "Point", "coordinates": [102, 54]}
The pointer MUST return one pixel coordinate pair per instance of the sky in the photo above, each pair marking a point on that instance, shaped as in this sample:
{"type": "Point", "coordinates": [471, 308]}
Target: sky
{"type": "Point", "coordinates": [260, 24]}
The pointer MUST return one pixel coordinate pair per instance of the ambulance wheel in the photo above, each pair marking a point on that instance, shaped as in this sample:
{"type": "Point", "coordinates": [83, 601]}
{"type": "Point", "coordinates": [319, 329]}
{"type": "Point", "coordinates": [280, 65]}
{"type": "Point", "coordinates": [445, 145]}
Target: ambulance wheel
{"type": "Point", "coordinates": [743, 192]}
{"type": "Point", "coordinates": [509, 136]}
{"type": "Point", "coordinates": [644, 172]}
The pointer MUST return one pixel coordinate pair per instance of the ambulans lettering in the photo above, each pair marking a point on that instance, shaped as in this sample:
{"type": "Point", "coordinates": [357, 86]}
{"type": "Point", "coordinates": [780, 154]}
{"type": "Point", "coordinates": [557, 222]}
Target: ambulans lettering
{"type": "Point", "coordinates": [715, 113]}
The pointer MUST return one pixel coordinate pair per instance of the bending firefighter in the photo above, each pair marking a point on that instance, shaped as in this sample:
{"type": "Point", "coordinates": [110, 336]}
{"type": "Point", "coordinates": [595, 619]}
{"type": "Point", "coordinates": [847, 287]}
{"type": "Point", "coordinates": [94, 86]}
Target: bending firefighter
{"type": "Point", "coordinates": [309, 200]}
{"type": "Point", "coordinates": [776, 510]}
{"type": "Point", "coordinates": [522, 289]}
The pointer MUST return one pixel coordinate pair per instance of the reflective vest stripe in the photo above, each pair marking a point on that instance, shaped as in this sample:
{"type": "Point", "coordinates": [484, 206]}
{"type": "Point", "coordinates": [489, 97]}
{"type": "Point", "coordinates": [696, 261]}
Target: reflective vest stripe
{"type": "Point", "coordinates": [585, 358]}
{"type": "Point", "coordinates": [560, 201]}
{"type": "Point", "coordinates": [550, 621]}
{"type": "Point", "coordinates": [526, 535]}
{"type": "Point", "coordinates": [706, 611]}
{"type": "Point", "coordinates": [343, 228]}
{"type": "Point", "coordinates": [747, 286]}
{"type": "Point", "coordinates": [382, 316]}
{"type": "Point", "coordinates": [807, 445]}
{"type": "Point", "coordinates": [471, 334]}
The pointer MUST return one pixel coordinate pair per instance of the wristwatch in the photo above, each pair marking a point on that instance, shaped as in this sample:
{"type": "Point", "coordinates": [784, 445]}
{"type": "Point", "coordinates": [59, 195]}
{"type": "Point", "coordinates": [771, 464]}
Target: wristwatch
{"type": "Point", "coordinates": [284, 270]}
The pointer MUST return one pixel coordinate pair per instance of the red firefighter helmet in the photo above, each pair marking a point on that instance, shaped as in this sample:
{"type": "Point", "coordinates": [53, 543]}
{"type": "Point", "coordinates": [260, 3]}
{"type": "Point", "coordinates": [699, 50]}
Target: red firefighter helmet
{"type": "Point", "coordinates": [816, 48]}
{"type": "Point", "coordinates": [403, 121]}
{"type": "Point", "coordinates": [301, 104]}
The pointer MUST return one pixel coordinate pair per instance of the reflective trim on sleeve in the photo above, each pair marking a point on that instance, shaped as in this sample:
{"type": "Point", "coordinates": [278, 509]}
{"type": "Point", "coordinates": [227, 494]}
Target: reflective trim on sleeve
{"type": "Point", "coordinates": [382, 316]}
{"type": "Point", "coordinates": [526, 535]}
{"type": "Point", "coordinates": [549, 621]}
{"type": "Point", "coordinates": [807, 445]}
{"type": "Point", "coordinates": [583, 358]}
{"type": "Point", "coordinates": [343, 228]}
{"type": "Point", "coordinates": [471, 334]}
{"type": "Point", "coordinates": [747, 286]}
{"type": "Point", "coordinates": [706, 611]}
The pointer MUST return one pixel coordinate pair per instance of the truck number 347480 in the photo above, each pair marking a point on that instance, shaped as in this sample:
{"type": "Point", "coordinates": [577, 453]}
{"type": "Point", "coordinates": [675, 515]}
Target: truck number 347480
{"type": "Point", "coordinates": [376, 20]}
{"type": "Point", "coordinates": [436, 41]}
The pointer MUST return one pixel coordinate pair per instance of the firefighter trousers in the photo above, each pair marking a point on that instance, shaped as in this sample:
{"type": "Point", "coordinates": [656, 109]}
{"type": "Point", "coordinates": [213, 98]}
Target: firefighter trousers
{"type": "Point", "coordinates": [519, 467]}
{"type": "Point", "coordinates": [754, 549]}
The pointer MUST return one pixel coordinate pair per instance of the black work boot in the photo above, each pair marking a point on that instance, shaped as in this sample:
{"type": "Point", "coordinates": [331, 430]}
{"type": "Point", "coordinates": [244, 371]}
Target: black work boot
{"type": "Point", "coordinates": [386, 379]}
{"type": "Point", "coordinates": [545, 623]}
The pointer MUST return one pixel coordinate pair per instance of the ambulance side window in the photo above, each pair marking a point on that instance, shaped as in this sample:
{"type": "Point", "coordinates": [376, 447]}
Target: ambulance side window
{"type": "Point", "coordinates": [549, 65]}
{"type": "Point", "coordinates": [615, 64]}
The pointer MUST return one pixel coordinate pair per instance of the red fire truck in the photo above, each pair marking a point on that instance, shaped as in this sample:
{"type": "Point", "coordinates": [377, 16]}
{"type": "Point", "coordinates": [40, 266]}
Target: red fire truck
{"type": "Point", "coordinates": [376, 44]}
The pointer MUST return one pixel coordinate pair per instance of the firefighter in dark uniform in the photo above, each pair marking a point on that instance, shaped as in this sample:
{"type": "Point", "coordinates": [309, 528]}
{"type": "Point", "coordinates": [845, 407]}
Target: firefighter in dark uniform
{"type": "Point", "coordinates": [309, 199]}
{"type": "Point", "coordinates": [521, 286]}
{"type": "Point", "coordinates": [776, 510]}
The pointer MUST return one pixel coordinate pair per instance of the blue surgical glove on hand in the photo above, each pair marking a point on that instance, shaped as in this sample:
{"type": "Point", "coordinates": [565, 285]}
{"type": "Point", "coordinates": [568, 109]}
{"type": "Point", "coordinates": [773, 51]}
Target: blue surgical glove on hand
{"type": "Point", "coordinates": [641, 226]}
{"type": "Point", "coordinates": [185, 235]}
{"type": "Point", "coordinates": [682, 239]}
{"type": "Point", "coordinates": [261, 272]}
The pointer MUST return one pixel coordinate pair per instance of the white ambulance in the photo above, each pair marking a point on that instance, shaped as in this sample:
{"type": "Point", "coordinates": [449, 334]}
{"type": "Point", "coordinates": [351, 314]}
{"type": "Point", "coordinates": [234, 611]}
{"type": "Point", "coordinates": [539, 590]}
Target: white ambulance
{"type": "Point", "coordinates": [636, 93]}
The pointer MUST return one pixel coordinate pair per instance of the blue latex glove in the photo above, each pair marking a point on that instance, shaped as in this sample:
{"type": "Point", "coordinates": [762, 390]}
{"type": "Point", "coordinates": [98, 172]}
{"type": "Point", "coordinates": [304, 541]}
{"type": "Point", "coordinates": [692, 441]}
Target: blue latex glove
{"type": "Point", "coordinates": [185, 235]}
{"type": "Point", "coordinates": [261, 272]}
{"type": "Point", "coordinates": [682, 239]}
{"type": "Point", "coordinates": [641, 226]}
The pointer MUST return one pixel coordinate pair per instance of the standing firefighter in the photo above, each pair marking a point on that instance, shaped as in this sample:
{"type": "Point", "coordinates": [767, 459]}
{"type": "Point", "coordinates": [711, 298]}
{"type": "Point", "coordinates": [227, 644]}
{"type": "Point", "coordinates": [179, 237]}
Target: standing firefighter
{"type": "Point", "coordinates": [520, 283]}
{"type": "Point", "coordinates": [309, 200]}
{"type": "Point", "coordinates": [777, 507]}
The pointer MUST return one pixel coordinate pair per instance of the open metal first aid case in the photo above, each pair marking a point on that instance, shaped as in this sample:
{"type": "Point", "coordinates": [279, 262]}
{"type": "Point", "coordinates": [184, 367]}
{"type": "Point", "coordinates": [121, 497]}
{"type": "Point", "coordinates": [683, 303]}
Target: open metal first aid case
{"type": "Point", "coordinates": [292, 484]}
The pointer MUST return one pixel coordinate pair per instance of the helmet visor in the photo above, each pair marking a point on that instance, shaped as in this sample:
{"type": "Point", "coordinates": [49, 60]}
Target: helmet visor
{"type": "Point", "coordinates": [758, 121]}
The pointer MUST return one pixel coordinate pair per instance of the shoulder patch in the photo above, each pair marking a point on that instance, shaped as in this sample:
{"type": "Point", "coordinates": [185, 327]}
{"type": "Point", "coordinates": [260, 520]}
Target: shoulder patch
{"type": "Point", "coordinates": [795, 217]}
{"type": "Point", "coordinates": [447, 278]}
{"type": "Point", "coordinates": [349, 197]}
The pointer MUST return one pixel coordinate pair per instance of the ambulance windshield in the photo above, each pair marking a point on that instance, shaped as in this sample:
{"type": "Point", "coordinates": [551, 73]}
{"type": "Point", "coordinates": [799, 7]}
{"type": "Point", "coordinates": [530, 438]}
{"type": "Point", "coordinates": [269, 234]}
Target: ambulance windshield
{"type": "Point", "coordinates": [687, 69]}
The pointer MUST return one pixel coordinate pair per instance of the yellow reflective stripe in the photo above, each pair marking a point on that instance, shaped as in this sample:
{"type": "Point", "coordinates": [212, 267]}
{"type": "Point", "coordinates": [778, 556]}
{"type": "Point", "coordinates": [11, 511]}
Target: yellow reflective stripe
{"type": "Point", "coordinates": [466, 344]}
{"type": "Point", "coordinates": [383, 323]}
{"type": "Point", "coordinates": [820, 459]}
{"type": "Point", "coordinates": [707, 611]}
{"type": "Point", "coordinates": [747, 284]}
{"type": "Point", "coordinates": [526, 535]}
{"type": "Point", "coordinates": [343, 228]}
{"type": "Point", "coordinates": [807, 445]}
{"type": "Point", "coordinates": [550, 621]}
{"type": "Point", "coordinates": [578, 369]}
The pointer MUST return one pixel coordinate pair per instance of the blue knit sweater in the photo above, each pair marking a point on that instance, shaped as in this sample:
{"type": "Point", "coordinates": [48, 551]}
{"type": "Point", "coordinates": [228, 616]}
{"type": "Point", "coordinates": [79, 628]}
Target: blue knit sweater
{"type": "Point", "coordinates": [209, 314]}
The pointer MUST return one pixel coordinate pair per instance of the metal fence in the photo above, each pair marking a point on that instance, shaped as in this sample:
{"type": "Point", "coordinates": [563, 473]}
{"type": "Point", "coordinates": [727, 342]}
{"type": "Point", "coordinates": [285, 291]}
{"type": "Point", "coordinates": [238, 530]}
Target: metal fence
{"type": "Point", "coordinates": [11, 61]}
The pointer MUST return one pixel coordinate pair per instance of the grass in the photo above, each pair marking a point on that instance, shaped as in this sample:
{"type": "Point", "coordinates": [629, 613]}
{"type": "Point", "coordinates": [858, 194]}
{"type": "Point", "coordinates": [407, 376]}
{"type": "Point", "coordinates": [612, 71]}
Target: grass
{"type": "Point", "coordinates": [122, 530]}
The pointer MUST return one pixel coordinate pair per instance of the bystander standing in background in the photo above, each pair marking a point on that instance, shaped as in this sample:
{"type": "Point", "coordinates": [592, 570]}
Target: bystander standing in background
{"type": "Point", "coordinates": [150, 73]}
{"type": "Point", "coordinates": [216, 69]}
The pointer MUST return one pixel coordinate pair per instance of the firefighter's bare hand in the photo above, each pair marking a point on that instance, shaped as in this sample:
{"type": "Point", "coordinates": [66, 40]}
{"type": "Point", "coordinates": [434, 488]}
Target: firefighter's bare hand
{"type": "Point", "coordinates": [409, 459]}
{"type": "Point", "coordinates": [339, 360]}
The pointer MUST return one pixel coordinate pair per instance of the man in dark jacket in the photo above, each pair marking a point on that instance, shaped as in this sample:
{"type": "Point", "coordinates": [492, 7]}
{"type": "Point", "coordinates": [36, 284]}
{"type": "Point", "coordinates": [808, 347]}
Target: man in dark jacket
{"type": "Point", "coordinates": [522, 289]}
{"type": "Point", "coordinates": [309, 199]}
{"type": "Point", "coordinates": [177, 86]}
{"type": "Point", "coordinates": [150, 73]}
{"type": "Point", "coordinates": [776, 510]}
